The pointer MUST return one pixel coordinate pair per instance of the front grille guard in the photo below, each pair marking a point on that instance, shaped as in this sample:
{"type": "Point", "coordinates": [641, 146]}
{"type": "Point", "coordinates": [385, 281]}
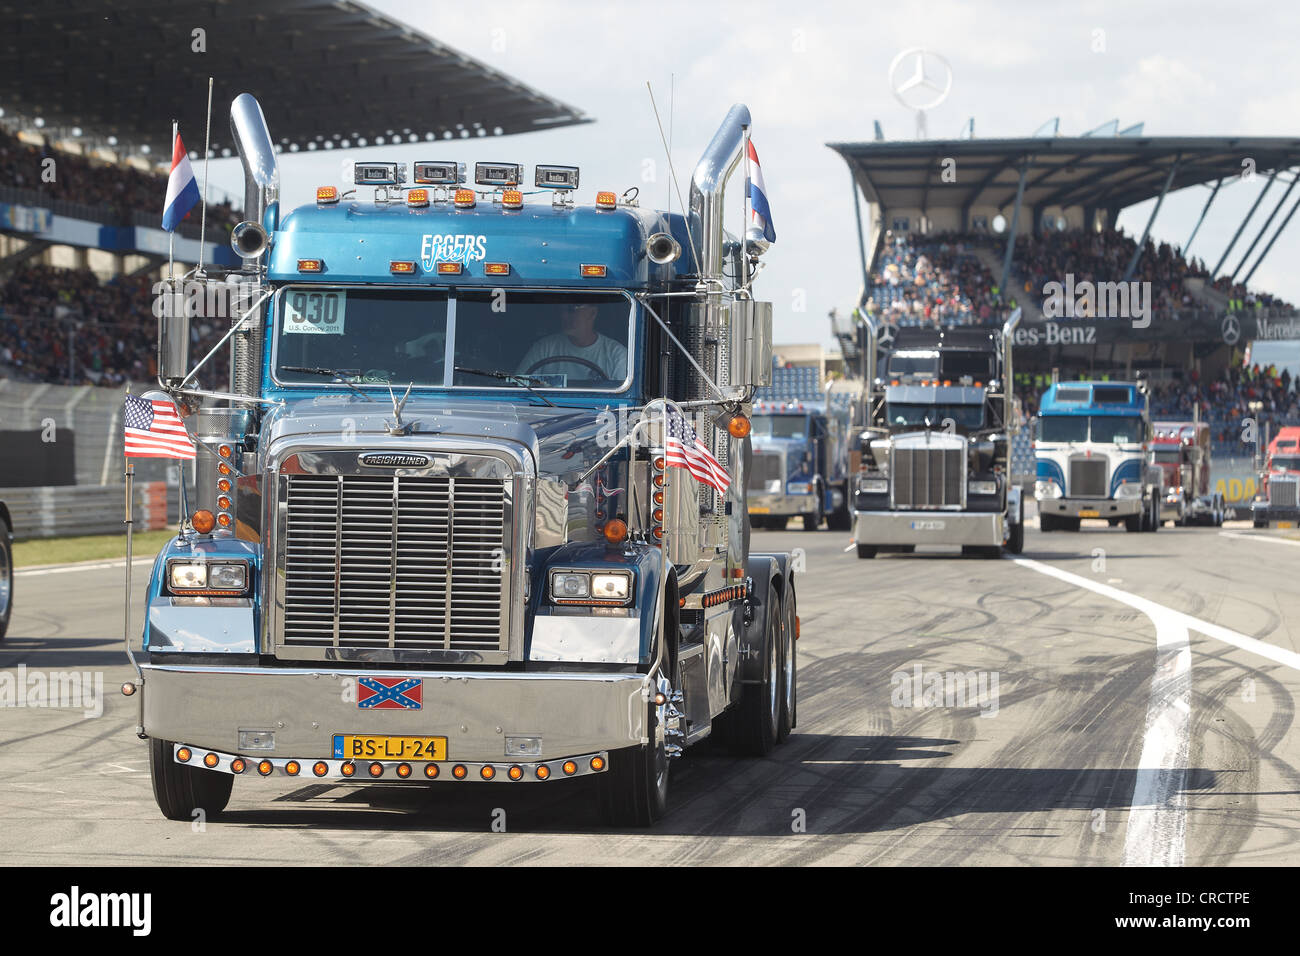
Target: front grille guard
{"type": "Point", "coordinates": [467, 457]}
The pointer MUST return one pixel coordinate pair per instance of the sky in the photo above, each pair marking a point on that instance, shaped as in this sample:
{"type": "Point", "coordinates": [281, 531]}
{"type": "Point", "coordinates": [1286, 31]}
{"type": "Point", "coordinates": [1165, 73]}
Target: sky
{"type": "Point", "coordinates": [816, 72]}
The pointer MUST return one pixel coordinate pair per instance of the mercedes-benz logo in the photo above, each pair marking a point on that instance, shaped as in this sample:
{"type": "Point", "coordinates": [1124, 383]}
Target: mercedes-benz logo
{"type": "Point", "coordinates": [1231, 328]}
{"type": "Point", "coordinates": [886, 337]}
{"type": "Point", "coordinates": [920, 79]}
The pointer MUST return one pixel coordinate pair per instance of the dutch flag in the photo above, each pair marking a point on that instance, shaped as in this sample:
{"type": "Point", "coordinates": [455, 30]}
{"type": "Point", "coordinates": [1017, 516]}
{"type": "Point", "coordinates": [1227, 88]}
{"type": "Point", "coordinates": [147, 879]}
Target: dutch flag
{"type": "Point", "coordinates": [182, 188]}
{"type": "Point", "coordinates": [760, 216]}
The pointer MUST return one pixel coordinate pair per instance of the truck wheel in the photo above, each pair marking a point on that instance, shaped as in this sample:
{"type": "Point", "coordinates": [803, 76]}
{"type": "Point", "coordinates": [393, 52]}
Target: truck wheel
{"type": "Point", "coordinates": [753, 723]}
{"type": "Point", "coordinates": [841, 519]}
{"type": "Point", "coordinates": [813, 520]}
{"type": "Point", "coordinates": [1153, 520]}
{"type": "Point", "coordinates": [1134, 523]}
{"type": "Point", "coordinates": [1016, 539]}
{"type": "Point", "coordinates": [789, 670]}
{"type": "Point", "coordinates": [866, 551]}
{"type": "Point", "coordinates": [634, 790]}
{"type": "Point", "coordinates": [181, 790]}
{"type": "Point", "coordinates": [1071, 524]}
{"type": "Point", "coordinates": [6, 579]}
{"type": "Point", "coordinates": [1047, 522]}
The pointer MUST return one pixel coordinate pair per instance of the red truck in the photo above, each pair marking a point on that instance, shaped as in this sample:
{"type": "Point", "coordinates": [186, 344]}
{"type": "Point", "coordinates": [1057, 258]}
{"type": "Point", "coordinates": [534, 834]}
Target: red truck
{"type": "Point", "coordinates": [1182, 451]}
{"type": "Point", "coordinates": [1277, 502]}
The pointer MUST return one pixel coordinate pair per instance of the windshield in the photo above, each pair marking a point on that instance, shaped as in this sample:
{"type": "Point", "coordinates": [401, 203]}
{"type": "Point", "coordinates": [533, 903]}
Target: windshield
{"type": "Point", "coordinates": [1105, 429]}
{"type": "Point", "coordinates": [1167, 456]}
{"type": "Point", "coordinates": [456, 338]}
{"type": "Point", "coordinates": [907, 413]}
{"type": "Point", "coordinates": [957, 365]}
{"type": "Point", "coordinates": [1286, 463]}
{"type": "Point", "coordinates": [914, 362]}
{"type": "Point", "coordinates": [780, 426]}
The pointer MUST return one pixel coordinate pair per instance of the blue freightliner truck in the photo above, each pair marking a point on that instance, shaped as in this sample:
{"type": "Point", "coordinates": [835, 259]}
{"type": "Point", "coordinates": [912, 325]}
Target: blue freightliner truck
{"type": "Point", "coordinates": [472, 506]}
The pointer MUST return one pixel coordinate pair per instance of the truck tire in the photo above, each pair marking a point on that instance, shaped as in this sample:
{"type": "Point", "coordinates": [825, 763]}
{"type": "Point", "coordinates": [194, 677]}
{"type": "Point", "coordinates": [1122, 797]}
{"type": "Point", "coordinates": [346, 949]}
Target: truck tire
{"type": "Point", "coordinates": [789, 662]}
{"type": "Point", "coordinates": [813, 520]}
{"type": "Point", "coordinates": [753, 724]}
{"type": "Point", "coordinates": [841, 519]}
{"type": "Point", "coordinates": [866, 551]}
{"type": "Point", "coordinates": [6, 578]}
{"type": "Point", "coordinates": [1134, 523]}
{"type": "Point", "coordinates": [634, 790]}
{"type": "Point", "coordinates": [1016, 538]}
{"type": "Point", "coordinates": [181, 790]}
{"type": "Point", "coordinates": [981, 551]}
{"type": "Point", "coordinates": [1047, 522]}
{"type": "Point", "coordinates": [1153, 516]}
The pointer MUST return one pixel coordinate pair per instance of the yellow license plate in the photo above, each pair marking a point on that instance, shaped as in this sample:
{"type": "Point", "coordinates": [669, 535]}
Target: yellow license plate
{"type": "Point", "coordinates": [1089, 513]}
{"type": "Point", "coordinates": [1286, 524]}
{"type": "Point", "coordinates": [760, 511]}
{"type": "Point", "coordinates": [387, 747]}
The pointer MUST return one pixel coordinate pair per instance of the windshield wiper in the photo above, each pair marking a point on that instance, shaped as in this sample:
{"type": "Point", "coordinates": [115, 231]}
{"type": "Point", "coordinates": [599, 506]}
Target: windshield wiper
{"type": "Point", "coordinates": [525, 381]}
{"type": "Point", "coordinates": [338, 376]}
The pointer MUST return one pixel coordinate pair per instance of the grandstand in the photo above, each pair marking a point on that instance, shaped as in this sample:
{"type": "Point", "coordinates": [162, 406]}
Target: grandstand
{"type": "Point", "coordinates": [81, 186]}
{"type": "Point", "coordinates": [1027, 222]}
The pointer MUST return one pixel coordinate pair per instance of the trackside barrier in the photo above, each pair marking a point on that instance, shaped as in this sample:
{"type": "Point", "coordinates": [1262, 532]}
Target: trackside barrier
{"type": "Point", "coordinates": [95, 509]}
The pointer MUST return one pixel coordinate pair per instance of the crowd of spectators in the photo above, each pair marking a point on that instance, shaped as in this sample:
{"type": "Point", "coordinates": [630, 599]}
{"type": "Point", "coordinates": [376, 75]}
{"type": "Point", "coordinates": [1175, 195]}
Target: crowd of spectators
{"type": "Point", "coordinates": [933, 280]}
{"type": "Point", "coordinates": [115, 191]}
{"type": "Point", "coordinates": [108, 326]}
{"type": "Point", "coordinates": [1225, 403]}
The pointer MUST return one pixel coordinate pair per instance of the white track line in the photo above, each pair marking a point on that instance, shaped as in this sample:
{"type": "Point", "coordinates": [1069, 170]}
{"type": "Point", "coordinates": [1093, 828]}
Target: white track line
{"type": "Point", "coordinates": [1260, 537]}
{"type": "Point", "coordinates": [1156, 833]}
{"type": "Point", "coordinates": [83, 566]}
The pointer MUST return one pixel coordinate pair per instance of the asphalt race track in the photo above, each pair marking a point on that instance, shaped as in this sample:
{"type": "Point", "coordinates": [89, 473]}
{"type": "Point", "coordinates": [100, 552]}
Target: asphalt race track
{"type": "Point", "coordinates": [1097, 727]}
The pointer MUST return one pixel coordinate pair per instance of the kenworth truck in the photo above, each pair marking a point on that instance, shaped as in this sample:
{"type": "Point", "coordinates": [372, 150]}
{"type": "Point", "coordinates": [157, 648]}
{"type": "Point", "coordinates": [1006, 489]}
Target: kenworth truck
{"type": "Point", "coordinates": [1182, 452]}
{"type": "Point", "coordinates": [1277, 503]}
{"type": "Point", "coordinates": [936, 453]}
{"type": "Point", "coordinates": [452, 520]}
{"type": "Point", "coordinates": [1091, 446]}
{"type": "Point", "coordinates": [801, 437]}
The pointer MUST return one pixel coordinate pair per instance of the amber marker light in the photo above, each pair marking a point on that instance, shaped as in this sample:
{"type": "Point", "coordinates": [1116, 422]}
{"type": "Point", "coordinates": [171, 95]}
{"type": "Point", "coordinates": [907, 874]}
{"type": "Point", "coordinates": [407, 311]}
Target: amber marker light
{"type": "Point", "coordinates": [659, 497]}
{"type": "Point", "coordinates": [311, 265]}
{"type": "Point", "coordinates": [211, 760]}
{"type": "Point", "coordinates": [417, 197]}
{"type": "Point", "coordinates": [431, 771]}
{"type": "Point", "coordinates": [348, 769]}
{"type": "Point", "coordinates": [403, 770]}
{"type": "Point", "coordinates": [512, 199]}
{"type": "Point", "coordinates": [616, 531]}
{"type": "Point", "coordinates": [496, 269]}
{"type": "Point", "coordinates": [184, 754]}
{"type": "Point", "coordinates": [606, 200]}
{"type": "Point", "coordinates": [591, 271]}
{"type": "Point", "coordinates": [400, 267]}
{"type": "Point", "coordinates": [327, 194]}
{"type": "Point", "coordinates": [464, 199]}
{"type": "Point", "coordinates": [203, 522]}
{"type": "Point", "coordinates": [320, 768]}
{"type": "Point", "coordinates": [570, 768]}
{"type": "Point", "coordinates": [449, 268]}
{"type": "Point", "coordinates": [459, 771]}
{"type": "Point", "coordinates": [223, 485]}
{"type": "Point", "coordinates": [265, 768]}
{"type": "Point", "coordinates": [739, 427]}
{"type": "Point", "coordinates": [487, 772]}
{"type": "Point", "coordinates": [515, 773]}
{"type": "Point", "coordinates": [376, 770]}
{"type": "Point", "coordinates": [223, 502]}
{"type": "Point", "coordinates": [223, 519]}
{"type": "Point", "coordinates": [223, 468]}
{"type": "Point", "coordinates": [292, 768]}
{"type": "Point", "coordinates": [543, 772]}
{"type": "Point", "coordinates": [598, 764]}
{"type": "Point", "coordinates": [237, 765]}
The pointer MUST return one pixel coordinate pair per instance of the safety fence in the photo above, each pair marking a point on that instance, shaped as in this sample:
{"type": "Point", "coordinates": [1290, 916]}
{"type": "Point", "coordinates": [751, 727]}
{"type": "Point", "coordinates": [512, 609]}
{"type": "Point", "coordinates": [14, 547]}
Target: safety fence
{"type": "Point", "coordinates": [73, 510]}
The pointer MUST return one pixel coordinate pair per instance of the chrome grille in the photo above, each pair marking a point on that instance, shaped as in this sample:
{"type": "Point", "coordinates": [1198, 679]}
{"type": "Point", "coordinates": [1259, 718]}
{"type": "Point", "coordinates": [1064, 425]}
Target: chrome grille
{"type": "Point", "coordinates": [764, 467]}
{"type": "Point", "coordinates": [1087, 478]}
{"type": "Point", "coordinates": [1281, 493]}
{"type": "Point", "coordinates": [927, 477]}
{"type": "Point", "coordinates": [387, 561]}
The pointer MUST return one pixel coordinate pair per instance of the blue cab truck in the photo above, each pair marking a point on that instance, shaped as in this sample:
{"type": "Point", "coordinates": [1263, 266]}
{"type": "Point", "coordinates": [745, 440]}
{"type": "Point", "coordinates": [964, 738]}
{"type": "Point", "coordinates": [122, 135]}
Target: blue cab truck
{"type": "Point", "coordinates": [450, 521]}
{"type": "Point", "coordinates": [1092, 444]}
{"type": "Point", "coordinates": [802, 437]}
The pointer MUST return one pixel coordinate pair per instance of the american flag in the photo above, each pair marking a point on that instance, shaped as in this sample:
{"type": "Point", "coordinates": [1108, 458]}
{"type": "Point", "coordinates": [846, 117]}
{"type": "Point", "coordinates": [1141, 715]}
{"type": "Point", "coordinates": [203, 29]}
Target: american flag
{"type": "Point", "coordinates": [153, 429]}
{"type": "Point", "coordinates": [683, 449]}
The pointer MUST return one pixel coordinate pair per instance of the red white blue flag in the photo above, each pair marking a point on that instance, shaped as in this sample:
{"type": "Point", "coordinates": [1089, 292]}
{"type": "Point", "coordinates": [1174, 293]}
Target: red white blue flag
{"type": "Point", "coordinates": [683, 449]}
{"type": "Point", "coordinates": [760, 214]}
{"type": "Point", "coordinates": [152, 428]}
{"type": "Point", "coordinates": [182, 188]}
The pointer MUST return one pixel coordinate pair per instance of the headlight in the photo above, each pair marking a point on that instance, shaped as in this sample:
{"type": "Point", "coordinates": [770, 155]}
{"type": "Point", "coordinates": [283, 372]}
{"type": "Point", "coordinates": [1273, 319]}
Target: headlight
{"type": "Point", "coordinates": [591, 587]}
{"type": "Point", "coordinates": [874, 486]}
{"type": "Point", "coordinates": [1128, 490]}
{"type": "Point", "coordinates": [1047, 489]}
{"type": "Point", "coordinates": [798, 488]}
{"type": "Point", "coordinates": [773, 487]}
{"type": "Point", "coordinates": [981, 487]}
{"type": "Point", "coordinates": [207, 577]}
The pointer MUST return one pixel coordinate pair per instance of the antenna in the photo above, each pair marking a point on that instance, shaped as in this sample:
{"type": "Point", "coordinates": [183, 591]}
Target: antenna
{"type": "Point", "coordinates": [673, 173]}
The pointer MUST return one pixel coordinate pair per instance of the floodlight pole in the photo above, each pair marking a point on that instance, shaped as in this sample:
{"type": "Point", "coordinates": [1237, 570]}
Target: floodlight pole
{"type": "Point", "coordinates": [1237, 235]}
{"type": "Point", "coordinates": [1137, 253]}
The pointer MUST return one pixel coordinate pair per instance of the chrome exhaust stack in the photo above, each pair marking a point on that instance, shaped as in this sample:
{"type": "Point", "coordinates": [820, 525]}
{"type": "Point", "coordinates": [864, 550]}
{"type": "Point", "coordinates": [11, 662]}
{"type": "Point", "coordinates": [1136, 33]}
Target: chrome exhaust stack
{"type": "Point", "coordinates": [708, 186]}
{"type": "Point", "coordinates": [252, 238]}
{"type": "Point", "coordinates": [1009, 383]}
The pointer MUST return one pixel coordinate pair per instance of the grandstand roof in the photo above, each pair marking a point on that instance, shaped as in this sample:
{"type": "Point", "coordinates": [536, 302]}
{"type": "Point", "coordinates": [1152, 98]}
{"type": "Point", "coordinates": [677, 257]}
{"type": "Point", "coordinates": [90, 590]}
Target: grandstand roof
{"type": "Point", "coordinates": [1107, 172]}
{"type": "Point", "coordinates": [322, 69]}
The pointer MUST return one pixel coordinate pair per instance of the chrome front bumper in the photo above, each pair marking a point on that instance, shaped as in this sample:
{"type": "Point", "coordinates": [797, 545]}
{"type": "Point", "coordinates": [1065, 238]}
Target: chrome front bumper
{"type": "Point", "coordinates": [1105, 507]}
{"type": "Point", "coordinates": [928, 527]}
{"type": "Point", "coordinates": [573, 714]}
{"type": "Point", "coordinates": [769, 504]}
